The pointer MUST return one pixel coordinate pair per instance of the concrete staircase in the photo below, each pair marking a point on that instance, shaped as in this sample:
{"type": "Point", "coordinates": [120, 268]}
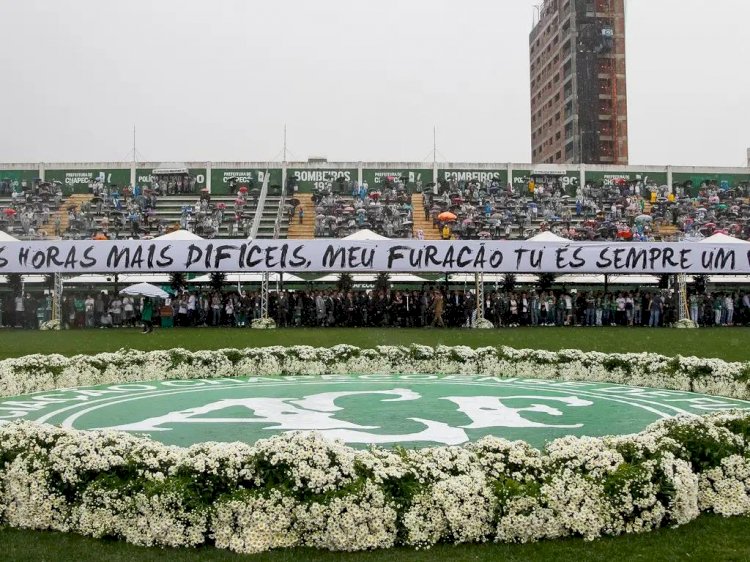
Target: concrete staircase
{"type": "Point", "coordinates": [420, 223]}
{"type": "Point", "coordinates": [77, 199]}
{"type": "Point", "coordinates": [306, 230]}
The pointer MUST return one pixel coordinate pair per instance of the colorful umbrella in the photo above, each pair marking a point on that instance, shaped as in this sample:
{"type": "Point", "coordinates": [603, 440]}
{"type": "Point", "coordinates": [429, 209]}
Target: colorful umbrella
{"type": "Point", "coordinates": [447, 216]}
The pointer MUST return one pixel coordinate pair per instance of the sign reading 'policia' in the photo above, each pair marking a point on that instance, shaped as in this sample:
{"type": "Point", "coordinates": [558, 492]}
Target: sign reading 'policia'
{"type": "Point", "coordinates": [76, 257]}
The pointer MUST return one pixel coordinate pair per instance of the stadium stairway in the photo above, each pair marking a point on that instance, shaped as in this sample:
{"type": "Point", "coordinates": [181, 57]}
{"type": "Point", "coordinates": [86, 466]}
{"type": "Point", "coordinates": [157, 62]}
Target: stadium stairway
{"type": "Point", "coordinates": [306, 230]}
{"type": "Point", "coordinates": [77, 199]}
{"type": "Point", "coordinates": [268, 216]}
{"type": "Point", "coordinates": [420, 223]}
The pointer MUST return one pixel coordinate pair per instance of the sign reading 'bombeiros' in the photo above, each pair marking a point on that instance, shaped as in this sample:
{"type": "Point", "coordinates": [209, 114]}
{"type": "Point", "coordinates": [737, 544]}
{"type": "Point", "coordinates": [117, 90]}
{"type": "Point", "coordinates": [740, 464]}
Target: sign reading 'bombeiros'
{"type": "Point", "coordinates": [387, 410]}
{"type": "Point", "coordinates": [126, 256]}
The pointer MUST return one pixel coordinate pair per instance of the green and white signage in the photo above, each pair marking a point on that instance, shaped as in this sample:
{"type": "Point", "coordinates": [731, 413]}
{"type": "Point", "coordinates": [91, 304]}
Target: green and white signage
{"type": "Point", "coordinates": [411, 178]}
{"type": "Point", "coordinates": [309, 180]}
{"type": "Point", "coordinates": [611, 177]}
{"type": "Point", "coordinates": [18, 179]}
{"type": "Point", "coordinates": [388, 410]}
{"type": "Point", "coordinates": [482, 176]}
{"type": "Point", "coordinates": [144, 177]}
{"type": "Point", "coordinates": [693, 181]}
{"type": "Point", "coordinates": [78, 181]}
{"type": "Point", "coordinates": [222, 177]}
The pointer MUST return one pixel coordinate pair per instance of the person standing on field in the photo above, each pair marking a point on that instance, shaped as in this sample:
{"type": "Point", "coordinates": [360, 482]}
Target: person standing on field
{"type": "Point", "coordinates": [146, 315]}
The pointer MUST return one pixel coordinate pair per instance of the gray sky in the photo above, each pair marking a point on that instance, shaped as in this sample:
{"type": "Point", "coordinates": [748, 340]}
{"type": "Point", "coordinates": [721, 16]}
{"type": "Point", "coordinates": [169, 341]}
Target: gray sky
{"type": "Point", "coordinates": [353, 80]}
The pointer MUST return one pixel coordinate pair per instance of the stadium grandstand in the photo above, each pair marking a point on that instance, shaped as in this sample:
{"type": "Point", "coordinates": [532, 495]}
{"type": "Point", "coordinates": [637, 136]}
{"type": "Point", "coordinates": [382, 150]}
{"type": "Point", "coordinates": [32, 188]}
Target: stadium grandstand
{"type": "Point", "coordinates": [395, 200]}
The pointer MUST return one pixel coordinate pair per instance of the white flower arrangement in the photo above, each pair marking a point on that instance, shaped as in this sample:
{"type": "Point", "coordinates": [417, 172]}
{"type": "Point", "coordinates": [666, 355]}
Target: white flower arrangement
{"type": "Point", "coordinates": [263, 324]}
{"type": "Point", "coordinates": [301, 490]}
{"type": "Point", "coordinates": [37, 373]}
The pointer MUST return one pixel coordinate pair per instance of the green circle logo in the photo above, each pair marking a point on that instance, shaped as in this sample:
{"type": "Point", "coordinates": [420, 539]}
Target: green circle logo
{"type": "Point", "coordinates": [386, 410]}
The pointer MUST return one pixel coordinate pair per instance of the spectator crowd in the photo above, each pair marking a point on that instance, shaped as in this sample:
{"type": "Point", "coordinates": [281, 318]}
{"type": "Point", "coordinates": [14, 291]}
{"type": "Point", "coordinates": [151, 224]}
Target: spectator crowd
{"type": "Point", "coordinates": [431, 306]}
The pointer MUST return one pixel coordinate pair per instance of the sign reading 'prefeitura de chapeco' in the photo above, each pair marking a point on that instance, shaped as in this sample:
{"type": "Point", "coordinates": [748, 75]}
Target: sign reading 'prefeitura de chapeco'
{"type": "Point", "coordinates": [87, 256]}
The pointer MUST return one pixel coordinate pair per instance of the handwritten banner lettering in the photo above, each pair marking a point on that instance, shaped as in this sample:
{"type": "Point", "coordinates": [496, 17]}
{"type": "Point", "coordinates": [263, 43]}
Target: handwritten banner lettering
{"type": "Point", "coordinates": [138, 256]}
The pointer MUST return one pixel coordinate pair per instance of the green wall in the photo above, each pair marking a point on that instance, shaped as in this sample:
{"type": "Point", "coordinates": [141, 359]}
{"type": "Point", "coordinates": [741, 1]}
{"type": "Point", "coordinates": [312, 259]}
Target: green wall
{"type": "Point", "coordinates": [413, 178]}
{"type": "Point", "coordinates": [143, 177]}
{"type": "Point", "coordinates": [220, 178]}
{"type": "Point", "coordinates": [77, 181]}
{"type": "Point", "coordinates": [309, 180]}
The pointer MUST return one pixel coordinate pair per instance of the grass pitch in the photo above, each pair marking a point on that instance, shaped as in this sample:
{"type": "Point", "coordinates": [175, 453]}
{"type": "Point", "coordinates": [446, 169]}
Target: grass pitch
{"type": "Point", "coordinates": [730, 344]}
{"type": "Point", "coordinates": [708, 538]}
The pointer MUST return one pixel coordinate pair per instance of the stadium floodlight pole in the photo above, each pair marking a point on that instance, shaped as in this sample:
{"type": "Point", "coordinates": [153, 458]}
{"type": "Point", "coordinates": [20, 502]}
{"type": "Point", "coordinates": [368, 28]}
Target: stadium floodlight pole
{"type": "Point", "coordinates": [682, 300]}
{"type": "Point", "coordinates": [264, 296]}
{"type": "Point", "coordinates": [57, 297]}
{"type": "Point", "coordinates": [479, 281]}
{"type": "Point", "coordinates": [434, 145]}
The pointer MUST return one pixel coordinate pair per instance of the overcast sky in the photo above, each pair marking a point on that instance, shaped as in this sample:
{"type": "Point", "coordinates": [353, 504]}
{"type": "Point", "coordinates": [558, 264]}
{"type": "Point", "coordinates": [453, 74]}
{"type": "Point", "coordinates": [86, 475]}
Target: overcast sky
{"type": "Point", "coordinates": [353, 80]}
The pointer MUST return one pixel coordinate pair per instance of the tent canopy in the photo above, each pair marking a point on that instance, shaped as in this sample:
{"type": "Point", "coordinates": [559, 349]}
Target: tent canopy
{"type": "Point", "coordinates": [145, 290]}
{"type": "Point", "coordinates": [5, 237]}
{"type": "Point", "coordinates": [365, 234]}
{"type": "Point", "coordinates": [249, 278]}
{"type": "Point", "coordinates": [371, 277]}
{"type": "Point", "coordinates": [722, 239]}
{"type": "Point", "coordinates": [179, 234]}
{"type": "Point", "coordinates": [547, 236]}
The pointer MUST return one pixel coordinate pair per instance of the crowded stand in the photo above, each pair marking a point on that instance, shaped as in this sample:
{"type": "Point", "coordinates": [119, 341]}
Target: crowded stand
{"type": "Point", "coordinates": [473, 210]}
{"type": "Point", "coordinates": [624, 210]}
{"type": "Point", "coordinates": [115, 212]}
{"type": "Point", "coordinates": [459, 210]}
{"type": "Point", "coordinates": [346, 208]}
{"type": "Point", "coordinates": [30, 207]}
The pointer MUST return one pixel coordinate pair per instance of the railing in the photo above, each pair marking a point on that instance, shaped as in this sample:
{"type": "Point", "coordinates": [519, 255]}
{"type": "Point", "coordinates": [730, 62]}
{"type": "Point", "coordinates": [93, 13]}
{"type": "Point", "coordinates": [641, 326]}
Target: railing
{"type": "Point", "coordinates": [279, 215]}
{"type": "Point", "coordinates": [259, 210]}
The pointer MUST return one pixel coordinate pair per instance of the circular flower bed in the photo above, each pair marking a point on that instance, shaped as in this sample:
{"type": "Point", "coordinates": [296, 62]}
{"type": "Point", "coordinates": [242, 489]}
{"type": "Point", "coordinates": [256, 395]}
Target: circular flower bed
{"type": "Point", "coordinates": [300, 490]}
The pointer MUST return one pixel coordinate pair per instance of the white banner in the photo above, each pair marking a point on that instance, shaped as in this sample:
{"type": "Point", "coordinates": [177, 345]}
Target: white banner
{"type": "Point", "coordinates": [139, 256]}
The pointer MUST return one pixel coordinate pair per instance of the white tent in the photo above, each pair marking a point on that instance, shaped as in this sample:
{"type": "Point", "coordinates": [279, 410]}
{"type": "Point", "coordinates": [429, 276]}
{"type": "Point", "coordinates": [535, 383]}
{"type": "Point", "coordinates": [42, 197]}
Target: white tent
{"type": "Point", "coordinates": [722, 239]}
{"type": "Point", "coordinates": [565, 279]}
{"type": "Point", "coordinates": [254, 277]}
{"type": "Point", "coordinates": [365, 234]}
{"type": "Point", "coordinates": [5, 237]}
{"type": "Point", "coordinates": [547, 236]}
{"type": "Point", "coordinates": [109, 278]}
{"type": "Point", "coordinates": [371, 277]}
{"type": "Point", "coordinates": [145, 290]}
{"type": "Point", "coordinates": [179, 235]}
{"type": "Point", "coordinates": [27, 279]}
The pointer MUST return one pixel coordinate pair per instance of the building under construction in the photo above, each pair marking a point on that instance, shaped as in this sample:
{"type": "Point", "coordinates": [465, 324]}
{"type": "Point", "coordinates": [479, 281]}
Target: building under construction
{"type": "Point", "coordinates": [579, 109]}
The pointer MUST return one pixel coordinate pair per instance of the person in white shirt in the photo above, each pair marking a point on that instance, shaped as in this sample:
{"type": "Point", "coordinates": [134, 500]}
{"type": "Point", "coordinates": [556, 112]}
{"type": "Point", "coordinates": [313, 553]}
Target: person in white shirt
{"type": "Point", "coordinates": [115, 307]}
{"type": "Point", "coordinates": [20, 310]}
{"type": "Point", "coordinates": [191, 309]}
{"type": "Point", "coordinates": [89, 310]}
{"type": "Point", "coordinates": [128, 310]}
{"type": "Point", "coordinates": [729, 306]}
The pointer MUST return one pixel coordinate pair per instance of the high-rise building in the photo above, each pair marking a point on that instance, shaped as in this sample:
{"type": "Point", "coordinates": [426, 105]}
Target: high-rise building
{"type": "Point", "coordinates": [579, 106]}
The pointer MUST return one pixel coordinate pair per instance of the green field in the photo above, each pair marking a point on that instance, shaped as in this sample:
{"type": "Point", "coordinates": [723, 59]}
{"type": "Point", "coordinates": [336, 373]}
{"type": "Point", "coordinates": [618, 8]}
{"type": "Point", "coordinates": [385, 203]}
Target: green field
{"type": "Point", "coordinates": [730, 344]}
{"type": "Point", "coordinates": [708, 538]}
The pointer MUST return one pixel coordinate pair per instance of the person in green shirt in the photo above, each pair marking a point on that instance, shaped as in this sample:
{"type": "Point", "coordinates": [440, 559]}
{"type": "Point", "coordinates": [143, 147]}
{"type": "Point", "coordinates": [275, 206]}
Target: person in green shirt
{"type": "Point", "coordinates": [79, 306]}
{"type": "Point", "coordinates": [147, 313]}
{"type": "Point", "coordinates": [717, 304]}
